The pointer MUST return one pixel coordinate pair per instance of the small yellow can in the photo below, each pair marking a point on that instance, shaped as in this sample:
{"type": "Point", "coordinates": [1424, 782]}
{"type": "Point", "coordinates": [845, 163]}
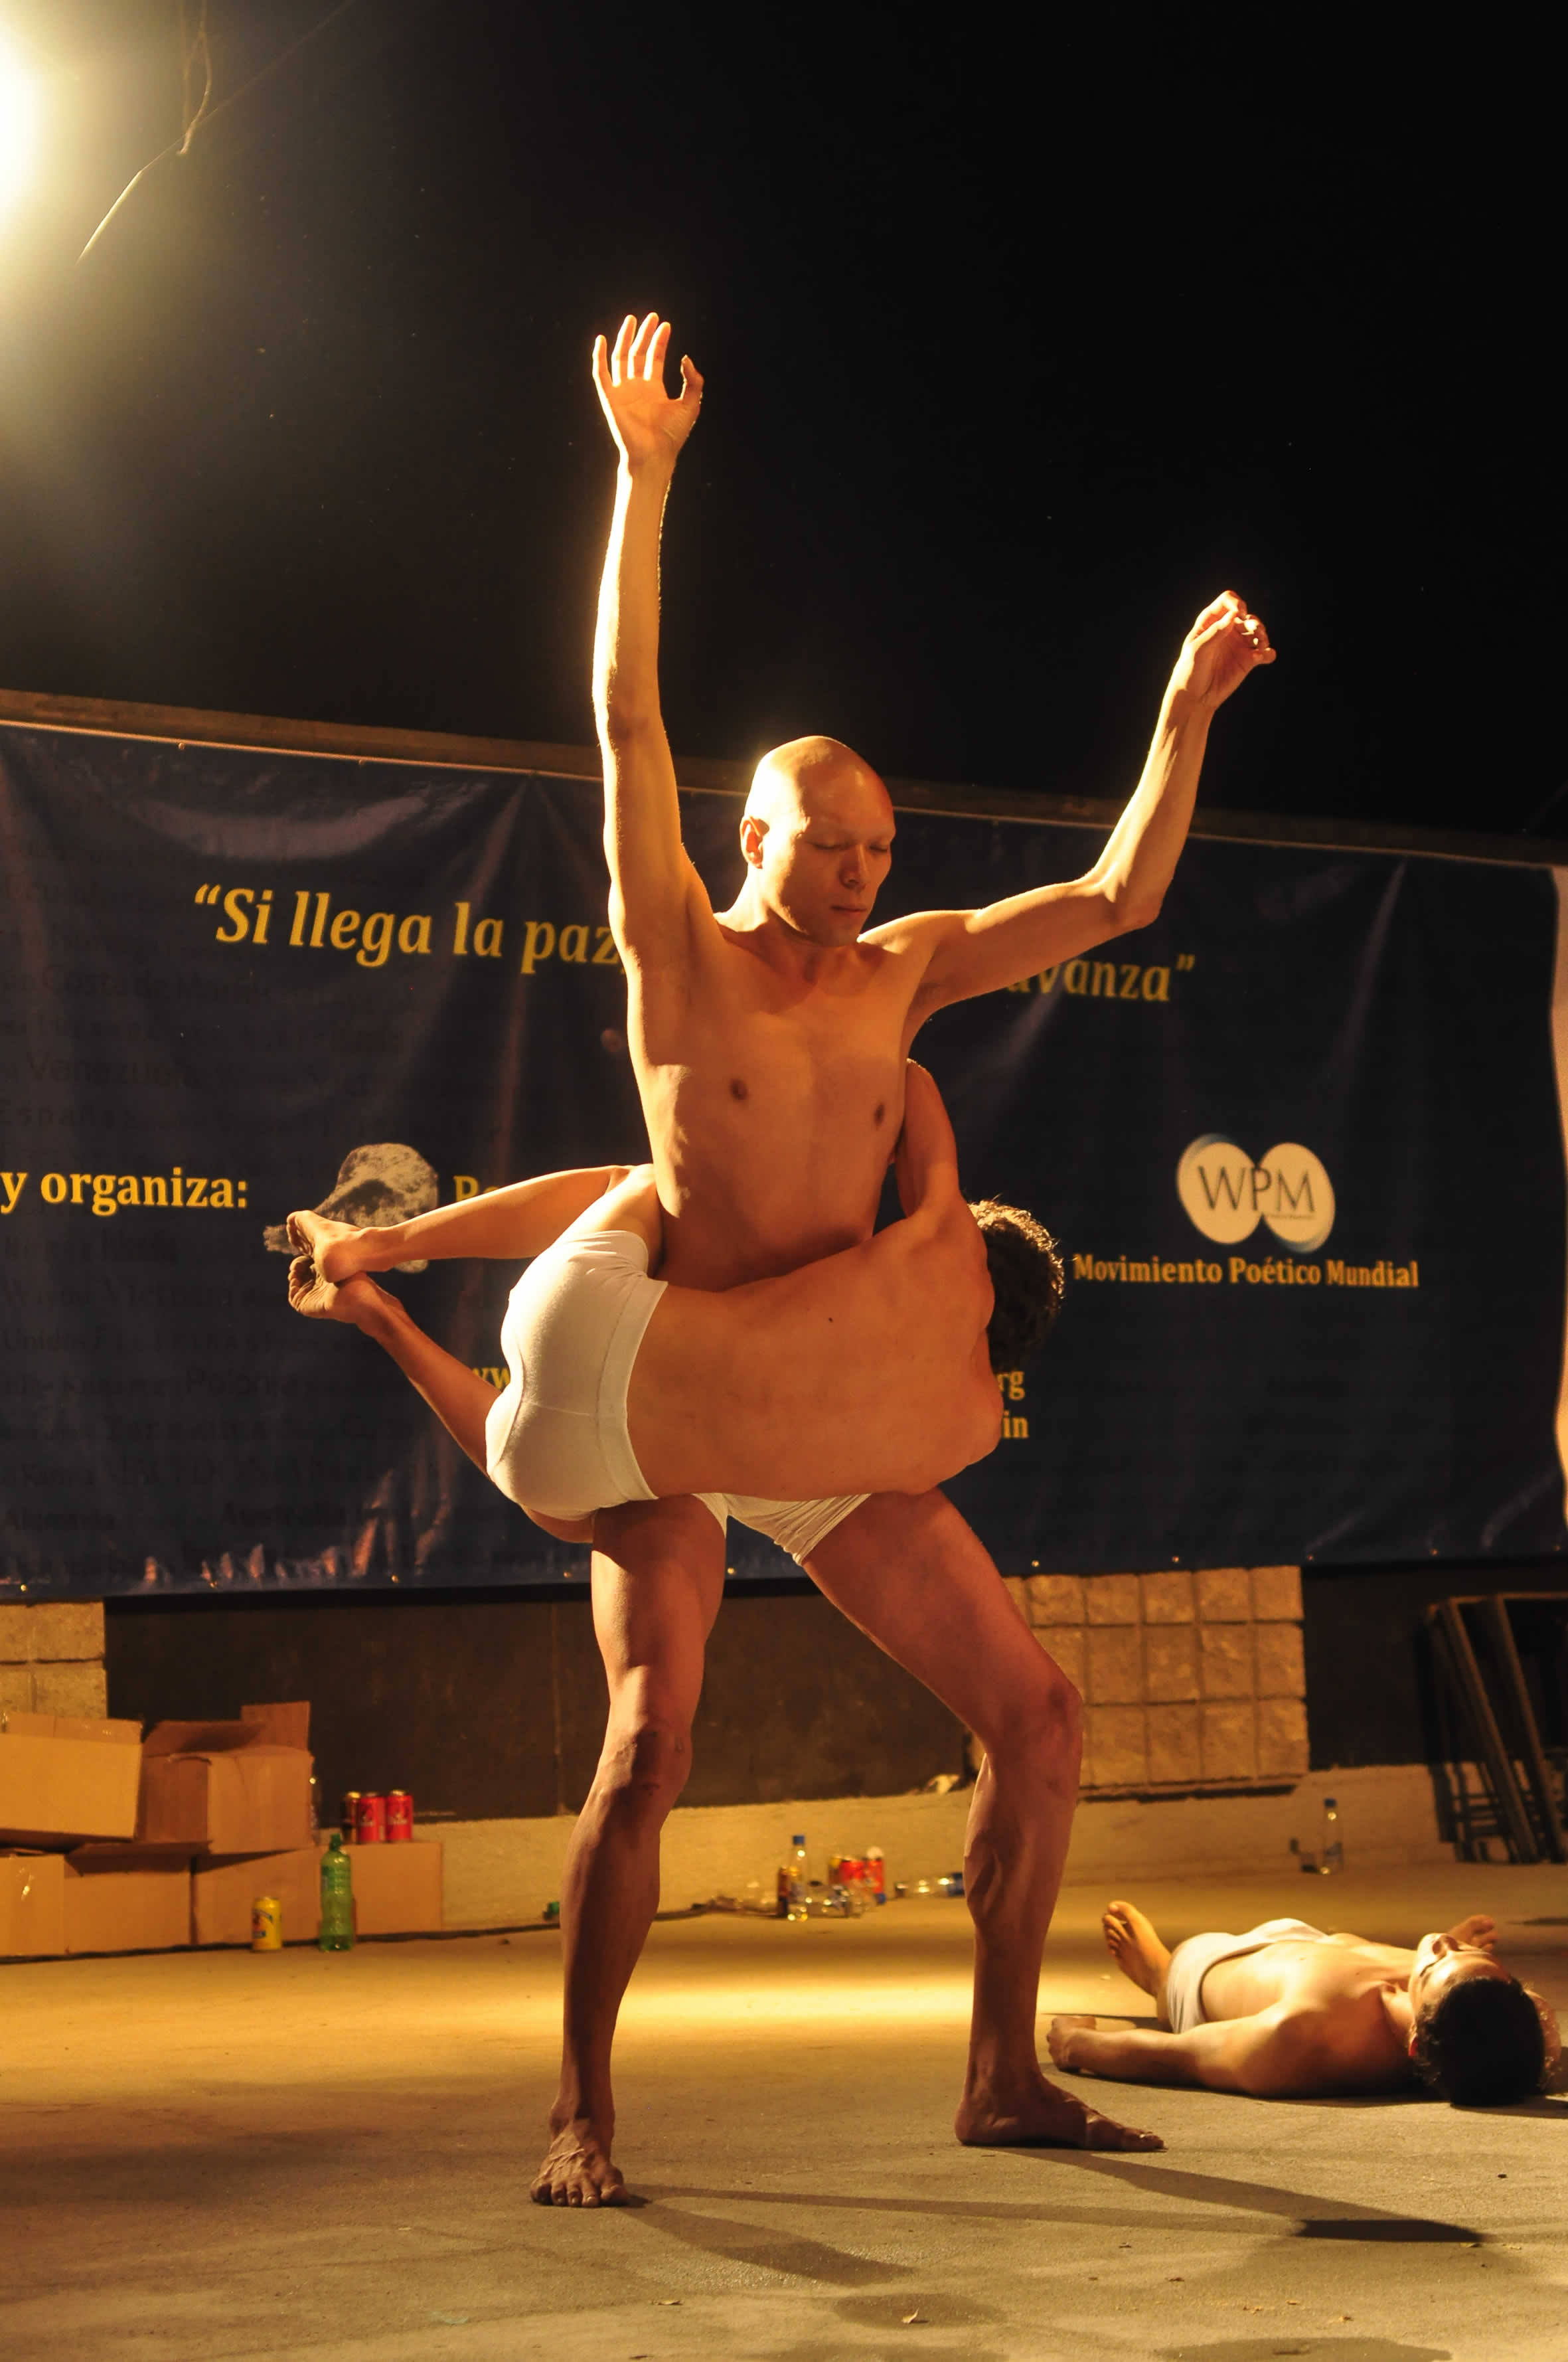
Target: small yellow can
{"type": "Point", "coordinates": [266, 1924]}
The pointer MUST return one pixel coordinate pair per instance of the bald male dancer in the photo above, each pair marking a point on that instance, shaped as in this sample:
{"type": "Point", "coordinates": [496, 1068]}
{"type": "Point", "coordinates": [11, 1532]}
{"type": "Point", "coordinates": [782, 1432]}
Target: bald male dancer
{"type": "Point", "coordinates": [769, 1044]}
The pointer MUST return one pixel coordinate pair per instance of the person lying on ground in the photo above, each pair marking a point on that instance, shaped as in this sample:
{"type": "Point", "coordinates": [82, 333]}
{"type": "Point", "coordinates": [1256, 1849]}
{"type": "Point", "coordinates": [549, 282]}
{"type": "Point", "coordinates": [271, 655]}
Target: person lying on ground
{"type": "Point", "coordinates": [1286, 2012]}
{"type": "Point", "coordinates": [871, 1368]}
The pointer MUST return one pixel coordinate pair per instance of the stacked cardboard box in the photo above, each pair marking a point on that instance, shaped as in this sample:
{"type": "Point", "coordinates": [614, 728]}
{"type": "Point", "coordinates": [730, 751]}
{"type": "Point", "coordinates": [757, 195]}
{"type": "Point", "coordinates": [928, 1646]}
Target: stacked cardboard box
{"type": "Point", "coordinates": [109, 1843]}
{"type": "Point", "coordinates": [64, 1780]}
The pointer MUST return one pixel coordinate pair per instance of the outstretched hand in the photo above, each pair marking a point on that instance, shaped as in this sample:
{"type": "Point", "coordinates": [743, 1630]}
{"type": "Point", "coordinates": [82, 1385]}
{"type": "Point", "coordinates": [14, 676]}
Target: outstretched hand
{"type": "Point", "coordinates": [648, 427]}
{"type": "Point", "coordinates": [1478, 1929]}
{"type": "Point", "coordinates": [1225, 644]}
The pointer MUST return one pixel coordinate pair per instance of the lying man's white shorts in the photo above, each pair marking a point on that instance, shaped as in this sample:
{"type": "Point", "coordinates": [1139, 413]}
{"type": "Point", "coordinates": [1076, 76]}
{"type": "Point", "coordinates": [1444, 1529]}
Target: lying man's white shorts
{"type": "Point", "coordinates": [1190, 1963]}
{"type": "Point", "coordinates": [556, 1440]}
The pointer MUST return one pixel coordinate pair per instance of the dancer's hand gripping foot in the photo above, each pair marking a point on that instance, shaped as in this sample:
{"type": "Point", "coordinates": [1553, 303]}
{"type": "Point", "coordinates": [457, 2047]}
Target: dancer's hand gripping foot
{"type": "Point", "coordinates": [338, 1250]}
{"type": "Point", "coordinates": [350, 1300]}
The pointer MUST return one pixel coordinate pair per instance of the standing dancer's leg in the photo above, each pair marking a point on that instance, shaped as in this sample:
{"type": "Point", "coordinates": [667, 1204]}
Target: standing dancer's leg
{"type": "Point", "coordinates": [658, 1579]}
{"type": "Point", "coordinates": [908, 1571]}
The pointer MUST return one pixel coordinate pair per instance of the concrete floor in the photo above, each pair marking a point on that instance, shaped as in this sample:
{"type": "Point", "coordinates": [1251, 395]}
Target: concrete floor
{"type": "Point", "coordinates": [215, 2154]}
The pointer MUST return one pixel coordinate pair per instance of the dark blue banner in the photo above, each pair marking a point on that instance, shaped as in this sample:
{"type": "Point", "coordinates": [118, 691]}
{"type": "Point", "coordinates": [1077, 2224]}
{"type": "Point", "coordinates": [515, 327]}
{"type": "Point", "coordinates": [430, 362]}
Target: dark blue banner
{"type": "Point", "coordinates": [1300, 1140]}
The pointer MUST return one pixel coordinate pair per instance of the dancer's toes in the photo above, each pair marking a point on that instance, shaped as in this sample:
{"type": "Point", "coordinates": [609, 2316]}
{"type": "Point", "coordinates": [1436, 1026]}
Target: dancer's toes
{"type": "Point", "coordinates": [578, 2172]}
{"type": "Point", "coordinates": [1104, 2132]}
{"type": "Point", "coordinates": [323, 1239]}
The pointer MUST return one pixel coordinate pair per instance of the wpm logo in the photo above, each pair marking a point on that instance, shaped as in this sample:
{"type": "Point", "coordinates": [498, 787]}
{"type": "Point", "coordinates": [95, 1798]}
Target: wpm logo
{"type": "Point", "coordinates": [1225, 1195]}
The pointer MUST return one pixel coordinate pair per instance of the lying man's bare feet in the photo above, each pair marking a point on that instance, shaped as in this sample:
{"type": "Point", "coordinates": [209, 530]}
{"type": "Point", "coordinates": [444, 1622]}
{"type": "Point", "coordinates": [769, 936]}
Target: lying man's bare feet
{"type": "Point", "coordinates": [337, 1248]}
{"type": "Point", "coordinates": [577, 2170]}
{"type": "Point", "coordinates": [1043, 2117]}
{"type": "Point", "coordinates": [1478, 1929]}
{"type": "Point", "coordinates": [1137, 1951]}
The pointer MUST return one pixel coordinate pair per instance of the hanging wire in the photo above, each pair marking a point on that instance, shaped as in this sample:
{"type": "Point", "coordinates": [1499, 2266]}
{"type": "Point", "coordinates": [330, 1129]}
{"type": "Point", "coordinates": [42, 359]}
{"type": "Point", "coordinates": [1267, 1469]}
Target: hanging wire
{"type": "Point", "coordinates": [196, 55]}
{"type": "Point", "coordinates": [193, 47]}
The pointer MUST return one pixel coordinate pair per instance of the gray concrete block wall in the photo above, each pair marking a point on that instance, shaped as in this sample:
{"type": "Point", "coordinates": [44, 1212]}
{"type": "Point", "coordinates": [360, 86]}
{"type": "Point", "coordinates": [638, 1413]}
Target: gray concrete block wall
{"type": "Point", "coordinates": [1187, 1678]}
{"type": "Point", "coordinates": [51, 1656]}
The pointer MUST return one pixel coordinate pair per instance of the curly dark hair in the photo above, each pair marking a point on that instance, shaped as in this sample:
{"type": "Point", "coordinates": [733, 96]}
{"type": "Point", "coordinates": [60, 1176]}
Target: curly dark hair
{"type": "Point", "coordinates": [1481, 2044]}
{"type": "Point", "coordinates": [1026, 1278]}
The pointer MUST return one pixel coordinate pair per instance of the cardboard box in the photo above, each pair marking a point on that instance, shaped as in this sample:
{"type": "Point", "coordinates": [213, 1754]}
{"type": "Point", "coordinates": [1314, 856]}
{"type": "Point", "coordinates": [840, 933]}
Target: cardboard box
{"type": "Point", "coordinates": [64, 1777]}
{"type": "Point", "coordinates": [32, 1905]}
{"type": "Point", "coordinates": [124, 1899]}
{"type": "Point", "coordinates": [228, 1787]}
{"type": "Point", "coordinates": [397, 1892]}
{"type": "Point", "coordinates": [397, 1888]}
{"type": "Point", "coordinates": [223, 1892]}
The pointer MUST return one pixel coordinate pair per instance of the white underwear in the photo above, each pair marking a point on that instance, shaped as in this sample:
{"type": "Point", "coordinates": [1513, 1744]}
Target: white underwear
{"type": "Point", "coordinates": [1190, 1963]}
{"type": "Point", "coordinates": [557, 1439]}
{"type": "Point", "coordinates": [797, 1526]}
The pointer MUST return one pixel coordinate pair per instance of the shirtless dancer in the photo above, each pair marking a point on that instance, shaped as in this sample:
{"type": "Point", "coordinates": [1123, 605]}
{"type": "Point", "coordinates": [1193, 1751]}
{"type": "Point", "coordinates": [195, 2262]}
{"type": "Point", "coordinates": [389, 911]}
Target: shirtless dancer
{"type": "Point", "coordinates": [1286, 2012]}
{"type": "Point", "coordinates": [769, 1044]}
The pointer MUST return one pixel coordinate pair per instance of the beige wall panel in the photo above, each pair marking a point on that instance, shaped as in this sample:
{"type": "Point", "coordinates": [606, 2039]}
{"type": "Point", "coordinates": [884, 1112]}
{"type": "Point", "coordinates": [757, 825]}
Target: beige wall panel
{"type": "Point", "coordinates": [1170, 1662]}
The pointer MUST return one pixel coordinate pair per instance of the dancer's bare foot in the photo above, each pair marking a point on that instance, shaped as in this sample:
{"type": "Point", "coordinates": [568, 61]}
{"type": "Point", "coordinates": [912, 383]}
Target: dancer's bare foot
{"type": "Point", "coordinates": [1137, 1951]}
{"type": "Point", "coordinates": [577, 2170]}
{"type": "Point", "coordinates": [1478, 1929]}
{"type": "Point", "coordinates": [1042, 2117]}
{"type": "Point", "coordinates": [337, 1248]}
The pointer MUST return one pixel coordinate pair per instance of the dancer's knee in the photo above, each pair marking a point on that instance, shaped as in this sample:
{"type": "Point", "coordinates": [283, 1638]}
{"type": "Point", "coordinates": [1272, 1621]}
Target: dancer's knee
{"type": "Point", "coordinates": [1039, 1726]}
{"type": "Point", "coordinates": [645, 1764]}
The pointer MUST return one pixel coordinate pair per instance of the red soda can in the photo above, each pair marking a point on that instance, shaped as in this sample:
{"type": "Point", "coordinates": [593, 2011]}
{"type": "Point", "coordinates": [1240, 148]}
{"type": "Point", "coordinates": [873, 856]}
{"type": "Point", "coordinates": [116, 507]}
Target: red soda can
{"type": "Point", "coordinates": [399, 1816]}
{"type": "Point", "coordinates": [370, 1821]}
{"type": "Point", "coordinates": [348, 1813]}
{"type": "Point", "coordinates": [851, 1869]}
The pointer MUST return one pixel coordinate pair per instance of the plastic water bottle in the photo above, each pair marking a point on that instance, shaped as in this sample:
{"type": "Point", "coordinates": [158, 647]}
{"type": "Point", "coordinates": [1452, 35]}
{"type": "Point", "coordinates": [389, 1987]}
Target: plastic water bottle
{"type": "Point", "coordinates": [1333, 1843]}
{"type": "Point", "coordinates": [793, 1884]}
{"type": "Point", "coordinates": [337, 1899]}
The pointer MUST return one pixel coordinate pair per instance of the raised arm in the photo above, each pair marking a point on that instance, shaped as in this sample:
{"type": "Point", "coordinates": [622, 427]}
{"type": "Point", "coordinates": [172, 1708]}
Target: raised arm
{"type": "Point", "coordinates": [651, 878]}
{"type": "Point", "coordinates": [508, 1225]}
{"type": "Point", "coordinates": [967, 952]}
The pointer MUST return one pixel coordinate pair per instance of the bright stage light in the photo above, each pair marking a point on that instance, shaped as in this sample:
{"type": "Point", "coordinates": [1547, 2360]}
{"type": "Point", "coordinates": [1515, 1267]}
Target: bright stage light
{"type": "Point", "coordinates": [18, 124]}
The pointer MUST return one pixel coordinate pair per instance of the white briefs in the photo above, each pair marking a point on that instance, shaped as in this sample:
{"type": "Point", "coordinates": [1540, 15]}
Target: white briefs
{"type": "Point", "coordinates": [557, 1439]}
{"type": "Point", "coordinates": [1192, 1961]}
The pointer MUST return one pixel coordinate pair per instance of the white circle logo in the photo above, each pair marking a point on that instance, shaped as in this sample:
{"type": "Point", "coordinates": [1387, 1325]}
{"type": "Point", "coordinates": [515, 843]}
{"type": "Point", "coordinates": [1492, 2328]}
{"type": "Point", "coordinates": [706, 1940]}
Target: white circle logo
{"type": "Point", "coordinates": [1225, 1195]}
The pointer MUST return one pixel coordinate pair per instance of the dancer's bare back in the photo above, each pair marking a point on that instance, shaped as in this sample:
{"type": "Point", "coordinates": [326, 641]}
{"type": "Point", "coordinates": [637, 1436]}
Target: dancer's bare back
{"type": "Point", "coordinates": [867, 1371]}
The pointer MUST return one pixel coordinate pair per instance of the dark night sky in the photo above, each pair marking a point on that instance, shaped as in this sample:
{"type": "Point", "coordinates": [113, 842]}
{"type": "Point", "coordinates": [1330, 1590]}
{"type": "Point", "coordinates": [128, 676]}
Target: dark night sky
{"type": "Point", "coordinates": [1018, 346]}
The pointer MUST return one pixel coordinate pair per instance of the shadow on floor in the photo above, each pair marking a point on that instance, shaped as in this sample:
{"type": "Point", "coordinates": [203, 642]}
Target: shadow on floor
{"type": "Point", "coordinates": [749, 2244]}
{"type": "Point", "coordinates": [1315, 2217]}
{"type": "Point", "coordinates": [1310, 2349]}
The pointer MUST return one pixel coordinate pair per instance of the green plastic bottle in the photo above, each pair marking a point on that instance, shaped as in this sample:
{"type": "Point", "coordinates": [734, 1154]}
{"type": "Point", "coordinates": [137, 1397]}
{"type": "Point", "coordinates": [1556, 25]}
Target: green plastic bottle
{"type": "Point", "coordinates": [337, 1899]}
